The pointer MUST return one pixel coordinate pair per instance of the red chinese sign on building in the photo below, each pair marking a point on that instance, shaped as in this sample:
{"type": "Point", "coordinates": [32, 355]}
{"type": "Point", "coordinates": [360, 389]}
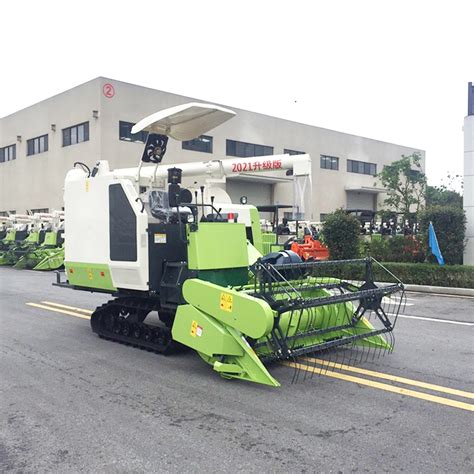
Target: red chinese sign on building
{"type": "Point", "coordinates": [259, 165]}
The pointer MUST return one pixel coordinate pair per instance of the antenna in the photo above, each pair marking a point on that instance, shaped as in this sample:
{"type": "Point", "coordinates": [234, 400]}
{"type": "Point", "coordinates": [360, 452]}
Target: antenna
{"type": "Point", "coordinates": [203, 218]}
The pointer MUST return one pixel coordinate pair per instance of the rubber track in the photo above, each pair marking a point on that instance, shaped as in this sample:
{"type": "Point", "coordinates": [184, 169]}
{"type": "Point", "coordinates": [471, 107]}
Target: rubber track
{"type": "Point", "coordinates": [110, 321]}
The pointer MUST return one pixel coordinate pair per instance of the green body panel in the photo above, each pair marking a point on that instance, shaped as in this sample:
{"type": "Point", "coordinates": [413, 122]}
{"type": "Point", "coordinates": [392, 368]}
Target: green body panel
{"type": "Point", "coordinates": [215, 341]}
{"type": "Point", "coordinates": [252, 253]}
{"type": "Point", "coordinates": [33, 238]}
{"type": "Point", "coordinates": [5, 258]}
{"type": "Point", "coordinates": [89, 275]}
{"type": "Point", "coordinates": [50, 239]}
{"type": "Point", "coordinates": [204, 334]}
{"type": "Point", "coordinates": [10, 237]}
{"type": "Point", "coordinates": [251, 316]}
{"type": "Point", "coordinates": [270, 243]}
{"type": "Point", "coordinates": [225, 277]}
{"type": "Point", "coordinates": [256, 230]}
{"type": "Point", "coordinates": [52, 261]}
{"type": "Point", "coordinates": [216, 246]}
{"type": "Point", "coordinates": [35, 255]}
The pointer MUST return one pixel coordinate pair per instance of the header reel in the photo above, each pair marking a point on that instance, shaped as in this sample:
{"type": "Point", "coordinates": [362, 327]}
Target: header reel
{"type": "Point", "coordinates": [318, 314]}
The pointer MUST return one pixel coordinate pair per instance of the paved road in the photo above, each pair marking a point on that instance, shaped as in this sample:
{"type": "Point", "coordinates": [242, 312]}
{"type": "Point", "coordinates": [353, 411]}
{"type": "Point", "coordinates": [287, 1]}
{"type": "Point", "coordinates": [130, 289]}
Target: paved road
{"type": "Point", "coordinates": [72, 402]}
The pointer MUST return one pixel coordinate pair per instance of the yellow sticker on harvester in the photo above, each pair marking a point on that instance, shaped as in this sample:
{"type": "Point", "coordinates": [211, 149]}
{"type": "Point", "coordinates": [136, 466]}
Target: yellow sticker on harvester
{"type": "Point", "coordinates": [87, 185]}
{"type": "Point", "coordinates": [226, 302]}
{"type": "Point", "coordinates": [194, 327]}
{"type": "Point", "coordinates": [89, 274]}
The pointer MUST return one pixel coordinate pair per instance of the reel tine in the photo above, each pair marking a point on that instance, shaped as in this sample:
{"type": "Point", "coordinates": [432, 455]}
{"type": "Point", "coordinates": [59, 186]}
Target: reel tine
{"type": "Point", "coordinates": [322, 367]}
{"type": "Point", "coordinates": [296, 370]}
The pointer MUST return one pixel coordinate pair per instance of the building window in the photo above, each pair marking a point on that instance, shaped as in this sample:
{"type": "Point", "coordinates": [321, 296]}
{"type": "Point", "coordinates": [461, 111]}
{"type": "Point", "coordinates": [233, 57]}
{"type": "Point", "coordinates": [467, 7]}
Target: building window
{"type": "Point", "coordinates": [8, 153]}
{"type": "Point", "coordinates": [286, 151]}
{"type": "Point", "coordinates": [414, 174]}
{"type": "Point", "coordinates": [4, 213]}
{"type": "Point", "coordinates": [76, 134]}
{"type": "Point", "coordinates": [361, 167]}
{"type": "Point", "coordinates": [242, 149]}
{"type": "Point", "coordinates": [44, 210]}
{"type": "Point", "coordinates": [329, 162]}
{"type": "Point", "coordinates": [202, 143]}
{"type": "Point", "coordinates": [125, 133]}
{"type": "Point", "coordinates": [37, 145]}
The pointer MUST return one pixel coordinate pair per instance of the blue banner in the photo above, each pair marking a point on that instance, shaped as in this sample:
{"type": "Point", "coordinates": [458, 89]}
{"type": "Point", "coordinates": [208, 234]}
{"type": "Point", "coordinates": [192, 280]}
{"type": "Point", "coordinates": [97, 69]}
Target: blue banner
{"type": "Point", "coordinates": [433, 243]}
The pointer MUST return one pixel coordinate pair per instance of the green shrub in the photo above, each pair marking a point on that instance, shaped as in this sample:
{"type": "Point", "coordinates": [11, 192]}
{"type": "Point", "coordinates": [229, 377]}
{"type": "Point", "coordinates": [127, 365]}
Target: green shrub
{"type": "Point", "coordinates": [397, 248]}
{"type": "Point", "coordinates": [450, 227]}
{"type": "Point", "coordinates": [455, 276]}
{"type": "Point", "coordinates": [375, 247]}
{"type": "Point", "coordinates": [341, 235]}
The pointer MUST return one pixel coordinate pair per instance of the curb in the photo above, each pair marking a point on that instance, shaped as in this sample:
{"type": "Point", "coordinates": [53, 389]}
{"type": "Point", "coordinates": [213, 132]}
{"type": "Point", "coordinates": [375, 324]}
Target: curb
{"type": "Point", "coordinates": [441, 290]}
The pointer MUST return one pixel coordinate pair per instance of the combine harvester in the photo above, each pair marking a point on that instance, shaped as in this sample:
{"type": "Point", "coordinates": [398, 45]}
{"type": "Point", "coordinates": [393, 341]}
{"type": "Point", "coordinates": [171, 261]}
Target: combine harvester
{"type": "Point", "coordinates": [21, 234]}
{"type": "Point", "coordinates": [49, 254]}
{"type": "Point", "coordinates": [13, 232]}
{"type": "Point", "coordinates": [194, 259]}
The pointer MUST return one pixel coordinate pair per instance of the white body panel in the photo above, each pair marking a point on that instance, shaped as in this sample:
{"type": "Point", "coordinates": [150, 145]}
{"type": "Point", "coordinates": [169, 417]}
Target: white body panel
{"type": "Point", "coordinates": [87, 232]}
{"type": "Point", "coordinates": [300, 164]}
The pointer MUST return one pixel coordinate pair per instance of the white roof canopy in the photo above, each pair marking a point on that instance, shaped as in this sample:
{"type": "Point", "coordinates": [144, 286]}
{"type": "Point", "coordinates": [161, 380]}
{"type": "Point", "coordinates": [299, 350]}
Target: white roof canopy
{"type": "Point", "coordinates": [184, 122]}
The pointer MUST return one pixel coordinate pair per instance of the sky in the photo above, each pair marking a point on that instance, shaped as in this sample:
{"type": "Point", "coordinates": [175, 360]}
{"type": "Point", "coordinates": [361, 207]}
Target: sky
{"type": "Point", "coordinates": [395, 71]}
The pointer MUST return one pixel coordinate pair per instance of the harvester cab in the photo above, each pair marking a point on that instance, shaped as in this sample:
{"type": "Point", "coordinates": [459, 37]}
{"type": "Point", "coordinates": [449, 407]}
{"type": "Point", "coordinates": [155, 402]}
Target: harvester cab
{"type": "Point", "coordinates": [193, 261]}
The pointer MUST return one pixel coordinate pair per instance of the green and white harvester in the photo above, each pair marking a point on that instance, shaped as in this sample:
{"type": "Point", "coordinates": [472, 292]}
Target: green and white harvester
{"type": "Point", "coordinates": [32, 241]}
{"type": "Point", "coordinates": [20, 233]}
{"type": "Point", "coordinates": [185, 266]}
{"type": "Point", "coordinates": [48, 253]}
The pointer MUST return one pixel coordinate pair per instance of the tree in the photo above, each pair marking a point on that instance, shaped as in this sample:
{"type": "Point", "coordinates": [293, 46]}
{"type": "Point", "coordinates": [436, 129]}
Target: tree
{"type": "Point", "coordinates": [405, 183]}
{"type": "Point", "coordinates": [445, 194]}
{"type": "Point", "coordinates": [439, 196]}
{"type": "Point", "coordinates": [450, 226]}
{"type": "Point", "coordinates": [341, 235]}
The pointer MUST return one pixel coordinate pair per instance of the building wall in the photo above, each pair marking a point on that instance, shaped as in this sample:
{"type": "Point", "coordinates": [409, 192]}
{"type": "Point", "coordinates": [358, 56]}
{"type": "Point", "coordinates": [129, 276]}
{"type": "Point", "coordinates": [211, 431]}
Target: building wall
{"type": "Point", "coordinates": [31, 182]}
{"type": "Point", "coordinates": [468, 198]}
{"type": "Point", "coordinates": [42, 175]}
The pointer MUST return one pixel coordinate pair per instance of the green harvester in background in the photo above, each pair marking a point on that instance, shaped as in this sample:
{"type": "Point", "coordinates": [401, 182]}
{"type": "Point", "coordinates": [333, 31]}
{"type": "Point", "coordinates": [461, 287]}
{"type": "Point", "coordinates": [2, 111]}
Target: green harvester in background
{"type": "Point", "coordinates": [49, 254]}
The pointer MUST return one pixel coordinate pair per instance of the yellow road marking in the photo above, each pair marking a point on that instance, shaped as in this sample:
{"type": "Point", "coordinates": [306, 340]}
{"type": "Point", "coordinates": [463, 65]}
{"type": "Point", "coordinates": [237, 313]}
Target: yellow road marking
{"type": "Point", "coordinates": [72, 308]}
{"type": "Point", "coordinates": [336, 375]}
{"type": "Point", "coordinates": [387, 387]}
{"type": "Point", "coordinates": [393, 378]}
{"type": "Point", "coordinates": [49, 308]}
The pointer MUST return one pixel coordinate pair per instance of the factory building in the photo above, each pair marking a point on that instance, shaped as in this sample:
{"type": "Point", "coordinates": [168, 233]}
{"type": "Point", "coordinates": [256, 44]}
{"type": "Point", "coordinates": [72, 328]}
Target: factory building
{"type": "Point", "coordinates": [93, 121]}
{"type": "Point", "coordinates": [468, 198]}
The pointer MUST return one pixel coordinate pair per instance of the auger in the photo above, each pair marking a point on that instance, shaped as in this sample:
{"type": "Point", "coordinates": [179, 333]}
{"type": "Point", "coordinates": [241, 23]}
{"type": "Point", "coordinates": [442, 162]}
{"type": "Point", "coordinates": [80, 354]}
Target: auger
{"type": "Point", "coordinates": [185, 266]}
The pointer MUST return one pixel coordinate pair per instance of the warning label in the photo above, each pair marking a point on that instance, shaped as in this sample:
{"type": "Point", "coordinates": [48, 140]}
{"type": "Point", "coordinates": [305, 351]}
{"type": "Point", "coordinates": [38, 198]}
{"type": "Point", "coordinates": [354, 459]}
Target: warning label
{"type": "Point", "coordinates": [160, 238]}
{"type": "Point", "coordinates": [196, 330]}
{"type": "Point", "coordinates": [226, 302]}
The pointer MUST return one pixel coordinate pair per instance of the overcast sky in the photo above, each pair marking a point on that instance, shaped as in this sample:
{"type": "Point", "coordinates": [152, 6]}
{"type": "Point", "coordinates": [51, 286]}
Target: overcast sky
{"type": "Point", "coordinates": [395, 71]}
